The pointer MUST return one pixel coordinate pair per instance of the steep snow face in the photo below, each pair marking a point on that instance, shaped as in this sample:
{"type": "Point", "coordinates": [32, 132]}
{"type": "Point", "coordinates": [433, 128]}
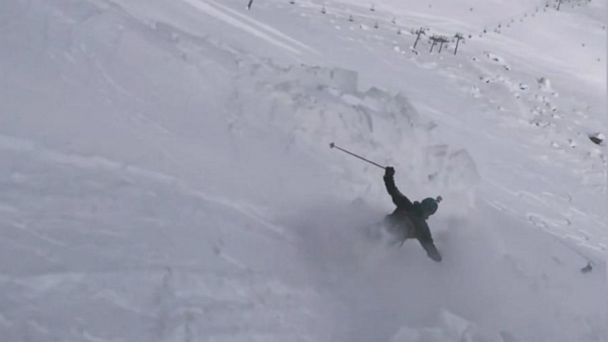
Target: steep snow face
{"type": "Point", "coordinates": [165, 172]}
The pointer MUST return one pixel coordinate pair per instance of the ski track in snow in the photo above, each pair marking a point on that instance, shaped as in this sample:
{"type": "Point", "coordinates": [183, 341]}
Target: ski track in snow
{"type": "Point", "coordinates": [249, 25]}
{"type": "Point", "coordinates": [97, 162]}
{"type": "Point", "coordinates": [265, 27]}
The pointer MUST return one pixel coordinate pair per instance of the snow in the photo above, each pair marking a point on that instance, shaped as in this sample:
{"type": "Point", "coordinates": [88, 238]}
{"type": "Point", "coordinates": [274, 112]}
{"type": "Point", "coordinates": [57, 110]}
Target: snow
{"type": "Point", "coordinates": [166, 174]}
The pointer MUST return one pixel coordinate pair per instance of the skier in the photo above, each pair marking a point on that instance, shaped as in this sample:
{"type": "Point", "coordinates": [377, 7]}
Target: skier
{"type": "Point", "coordinates": [408, 221]}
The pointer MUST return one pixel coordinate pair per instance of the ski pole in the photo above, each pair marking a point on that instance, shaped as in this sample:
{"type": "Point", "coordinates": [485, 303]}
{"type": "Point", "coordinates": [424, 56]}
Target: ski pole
{"type": "Point", "coordinates": [332, 145]}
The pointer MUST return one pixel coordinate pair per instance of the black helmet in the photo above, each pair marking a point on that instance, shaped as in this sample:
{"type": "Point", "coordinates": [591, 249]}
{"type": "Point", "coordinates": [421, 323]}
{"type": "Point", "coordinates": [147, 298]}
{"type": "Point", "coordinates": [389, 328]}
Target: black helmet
{"type": "Point", "coordinates": [429, 205]}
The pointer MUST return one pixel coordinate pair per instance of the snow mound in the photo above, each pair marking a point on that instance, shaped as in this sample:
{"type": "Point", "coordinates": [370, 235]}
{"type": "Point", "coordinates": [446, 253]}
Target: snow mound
{"type": "Point", "coordinates": [312, 106]}
{"type": "Point", "coordinates": [450, 327]}
{"type": "Point", "coordinates": [544, 84]}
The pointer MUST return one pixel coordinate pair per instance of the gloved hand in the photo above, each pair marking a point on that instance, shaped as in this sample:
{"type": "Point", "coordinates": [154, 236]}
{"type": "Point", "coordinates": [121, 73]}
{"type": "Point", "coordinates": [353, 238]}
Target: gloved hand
{"type": "Point", "coordinates": [389, 171]}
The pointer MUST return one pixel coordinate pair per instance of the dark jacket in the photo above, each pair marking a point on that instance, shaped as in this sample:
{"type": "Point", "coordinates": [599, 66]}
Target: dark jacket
{"type": "Point", "coordinates": [411, 219]}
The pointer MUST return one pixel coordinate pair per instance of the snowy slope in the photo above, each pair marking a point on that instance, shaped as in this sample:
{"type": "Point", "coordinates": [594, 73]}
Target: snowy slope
{"type": "Point", "coordinates": [166, 174]}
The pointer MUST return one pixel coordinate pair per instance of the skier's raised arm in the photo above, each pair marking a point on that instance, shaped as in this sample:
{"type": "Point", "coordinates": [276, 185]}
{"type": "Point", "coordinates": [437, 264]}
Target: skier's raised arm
{"type": "Point", "coordinates": [398, 198]}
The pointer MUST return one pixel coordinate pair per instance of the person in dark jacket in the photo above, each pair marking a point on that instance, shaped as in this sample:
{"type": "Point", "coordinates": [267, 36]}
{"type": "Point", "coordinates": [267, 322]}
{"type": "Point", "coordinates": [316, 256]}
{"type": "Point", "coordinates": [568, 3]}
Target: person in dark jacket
{"type": "Point", "coordinates": [408, 221]}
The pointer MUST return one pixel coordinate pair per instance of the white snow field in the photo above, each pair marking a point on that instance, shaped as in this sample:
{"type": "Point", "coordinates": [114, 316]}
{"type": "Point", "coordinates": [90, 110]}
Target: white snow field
{"type": "Point", "coordinates": [165, 173]}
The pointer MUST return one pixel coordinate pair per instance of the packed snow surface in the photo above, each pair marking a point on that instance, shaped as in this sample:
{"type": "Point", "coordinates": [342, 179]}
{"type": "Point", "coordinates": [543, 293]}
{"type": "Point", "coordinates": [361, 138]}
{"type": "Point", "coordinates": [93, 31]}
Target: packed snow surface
{"type": "Point", "coordinates": [165, 170]}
